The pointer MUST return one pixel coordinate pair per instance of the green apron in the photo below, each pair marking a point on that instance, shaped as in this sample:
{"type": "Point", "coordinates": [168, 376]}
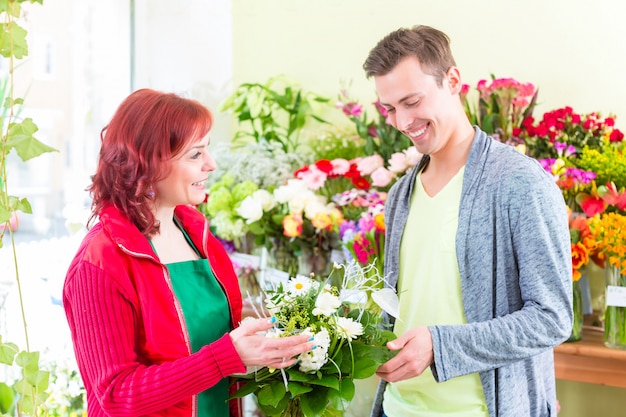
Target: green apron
{"type": "Point", "coordinates": [207, 316]}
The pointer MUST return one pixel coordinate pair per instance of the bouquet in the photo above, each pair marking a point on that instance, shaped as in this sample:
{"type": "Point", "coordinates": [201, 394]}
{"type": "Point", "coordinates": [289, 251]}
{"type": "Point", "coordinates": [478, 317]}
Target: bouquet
{"type": "Point", "coordinates": [502, 106]}
{"type": "Point", "coordinates": [344, 318]}
{"type": "Point", "coordinates": [563, 130]}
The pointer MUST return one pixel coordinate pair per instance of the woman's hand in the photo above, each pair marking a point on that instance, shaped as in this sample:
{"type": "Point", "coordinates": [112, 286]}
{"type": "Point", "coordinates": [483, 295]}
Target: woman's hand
{"type": "Point", "coordinates": [255, 349]}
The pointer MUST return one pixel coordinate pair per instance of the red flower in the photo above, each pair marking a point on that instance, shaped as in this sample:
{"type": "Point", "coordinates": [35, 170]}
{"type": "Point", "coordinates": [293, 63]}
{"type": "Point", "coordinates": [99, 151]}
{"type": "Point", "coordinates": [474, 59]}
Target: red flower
{"type": "Point", "coordinates": [616, 136]}
{"type": "Point", "coordinates": [324, 165]}
{"type": "Point", "coordinates": [303, 169]}
{"type": "Point", "coordinates": [361, 183]}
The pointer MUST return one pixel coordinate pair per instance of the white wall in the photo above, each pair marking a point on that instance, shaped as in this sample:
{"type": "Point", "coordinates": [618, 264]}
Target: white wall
{"type": "Point", "coordinates": [573, 50]}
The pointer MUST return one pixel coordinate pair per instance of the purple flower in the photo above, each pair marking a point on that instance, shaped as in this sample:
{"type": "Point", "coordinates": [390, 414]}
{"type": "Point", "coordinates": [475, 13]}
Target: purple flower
{"type": "Point", "coordinates": [346, 226]}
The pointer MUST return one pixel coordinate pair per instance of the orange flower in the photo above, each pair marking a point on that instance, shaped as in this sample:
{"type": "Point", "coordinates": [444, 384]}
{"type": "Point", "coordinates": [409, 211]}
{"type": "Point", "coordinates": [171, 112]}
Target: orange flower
{"type": "Point", "coordinates": [580, 258]}
{"type": "Point", "coordinates": [292, 225]}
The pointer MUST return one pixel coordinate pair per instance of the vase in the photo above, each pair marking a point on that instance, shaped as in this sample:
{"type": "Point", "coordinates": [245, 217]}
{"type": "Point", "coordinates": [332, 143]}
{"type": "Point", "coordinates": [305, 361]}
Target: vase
{"type": "Point", "coordinates": [314, 261]}
{"type": "Point", "coordinates": [281, 257]}
{"type": "Point", "coordinates": [577, 298]}
{"type": "Point", "coordinates": [615, 308]}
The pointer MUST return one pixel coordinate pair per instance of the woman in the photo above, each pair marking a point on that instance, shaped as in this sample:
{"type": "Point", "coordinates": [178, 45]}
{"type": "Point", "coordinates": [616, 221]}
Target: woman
{"type": "Point", "coordinates": [151, 297]}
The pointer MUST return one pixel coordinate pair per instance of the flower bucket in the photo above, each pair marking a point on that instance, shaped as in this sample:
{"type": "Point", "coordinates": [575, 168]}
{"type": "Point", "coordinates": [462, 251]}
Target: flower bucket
{"type": "Point", "coordinates": [577, 328]}
{"type": "Point", "coordinates": [615, 308]}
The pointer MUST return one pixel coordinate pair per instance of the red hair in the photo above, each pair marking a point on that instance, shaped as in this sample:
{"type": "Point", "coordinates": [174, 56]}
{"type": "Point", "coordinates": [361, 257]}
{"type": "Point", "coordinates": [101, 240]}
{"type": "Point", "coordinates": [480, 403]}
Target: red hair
{"type": "Point", "coordinates": [146, 132]}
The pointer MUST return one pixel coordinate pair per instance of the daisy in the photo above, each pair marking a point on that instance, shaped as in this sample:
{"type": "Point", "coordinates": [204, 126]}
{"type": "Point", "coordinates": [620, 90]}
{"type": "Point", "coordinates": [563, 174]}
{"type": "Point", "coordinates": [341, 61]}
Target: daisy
{"type": "Point", "coordinates": [298, 285]}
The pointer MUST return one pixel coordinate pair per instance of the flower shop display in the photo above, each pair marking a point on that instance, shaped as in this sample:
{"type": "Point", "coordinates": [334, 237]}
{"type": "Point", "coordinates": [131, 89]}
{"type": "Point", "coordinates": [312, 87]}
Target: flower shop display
{"type": "Point", "coordinates": [328, 192]}
{"type": "Point", "coordinates": [344, 319]}
{"type": "Point", "coordinates": [609, 233]}
{"type": "Point", "coordinates": [295, 219]}
{"type": "Point", "coordinates": [563, 131]}
{"type": "Point", "coordinates": [502, 105]}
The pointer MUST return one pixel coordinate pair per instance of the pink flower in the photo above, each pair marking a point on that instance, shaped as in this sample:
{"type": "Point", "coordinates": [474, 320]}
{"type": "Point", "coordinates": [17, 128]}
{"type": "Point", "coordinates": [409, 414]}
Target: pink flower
{"type": "Point", "coordinates": [381, 177]}
{"type": "Point", "coordinates": [398, 162]}
{"type": "Point", "coordinates": [382, 110]}
{"type": "Point", "coordinates": [369, 164]}
{"type": "Point", "coordinates": [352, 109]}
{"type": "Point", "coordinates": [340, 166]}
{"type": "Point", "coordinates": [313, 178]}
{"type": "Point", "coordinates": [412, 155]}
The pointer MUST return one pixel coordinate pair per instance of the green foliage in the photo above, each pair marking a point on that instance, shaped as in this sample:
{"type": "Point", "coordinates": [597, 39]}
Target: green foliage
{"type": "Point", "coordinates": [25, 396]}
{"type": "Point", "coordinates": [608, 162]}
{"type": "Point", "coordinates": [27, 393]}
{"type": "Point", "coordinates": [276, 111]}
{"type": "Point", "coordinates": [334, 143]}
{"type": "Point", "coordinates": [378, 136]}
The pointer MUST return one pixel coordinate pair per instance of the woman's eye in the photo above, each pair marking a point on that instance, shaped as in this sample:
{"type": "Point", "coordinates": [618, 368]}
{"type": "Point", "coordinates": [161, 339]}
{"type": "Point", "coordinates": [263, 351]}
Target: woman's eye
{"type": "Point", "coordinates": [196, 155]}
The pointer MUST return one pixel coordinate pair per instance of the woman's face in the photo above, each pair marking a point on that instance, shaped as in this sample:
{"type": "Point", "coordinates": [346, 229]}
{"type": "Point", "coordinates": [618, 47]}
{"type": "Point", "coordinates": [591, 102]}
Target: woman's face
{"type": "Point", "coordinates": [188, 173]}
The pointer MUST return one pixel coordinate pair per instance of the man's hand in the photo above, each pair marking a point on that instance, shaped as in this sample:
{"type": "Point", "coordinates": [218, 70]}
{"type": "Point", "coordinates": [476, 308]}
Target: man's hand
{"type": "Point", "coordinates": [416, 354]}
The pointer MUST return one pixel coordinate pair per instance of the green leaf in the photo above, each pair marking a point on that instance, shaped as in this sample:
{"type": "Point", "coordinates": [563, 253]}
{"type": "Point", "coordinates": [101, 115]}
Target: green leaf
{"type": "Point", "coordinates": [298, 389]}
{"type": "Point", "coordinates": [268, 410]}
{"type": "Point", "coordinates": [20, 204]}
{"type": "Point", "coordinates": [247, 388]}
{"type": "Point", "coordinates": [28, 360]}
{"type": "Point", "coordinates": [26, 405]}
{"type": "Point", "coordinates": [7, 398]}
{"type": "Point", "coordinates": [13, 41]}
{"type": "Point", "coordinates": [20, 136]}
{"type": "Point", "coordinates": [5, 216]}
{"type": "Point", "coordinates": [8, 352]}
{"type": "Point", "coordinates": [11, 7]}
{"type": "Point", "coordinates": [341, 399]}
{"type": "Point", "coordinates": [315, 402]}
{"type": "Point", "coordinates": [272, 393]}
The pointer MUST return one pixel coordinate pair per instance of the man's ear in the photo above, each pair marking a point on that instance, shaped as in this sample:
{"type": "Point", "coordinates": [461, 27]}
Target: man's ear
{"type": "Point", "coordinates": [453, 80]}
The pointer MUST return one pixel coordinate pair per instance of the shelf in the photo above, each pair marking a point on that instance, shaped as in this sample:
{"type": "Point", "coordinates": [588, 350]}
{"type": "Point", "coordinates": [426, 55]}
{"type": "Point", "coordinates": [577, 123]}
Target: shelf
{"type": "Point", "coordinates": [588, 360]}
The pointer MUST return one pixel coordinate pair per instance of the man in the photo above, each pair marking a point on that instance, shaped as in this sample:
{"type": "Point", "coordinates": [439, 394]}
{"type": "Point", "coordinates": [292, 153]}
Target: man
{"type": "Point", "coordinates": [477, 246]}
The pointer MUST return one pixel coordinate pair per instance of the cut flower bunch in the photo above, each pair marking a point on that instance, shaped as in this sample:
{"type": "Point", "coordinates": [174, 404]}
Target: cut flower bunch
{"type": "Point", "coordinates": [345, 322]}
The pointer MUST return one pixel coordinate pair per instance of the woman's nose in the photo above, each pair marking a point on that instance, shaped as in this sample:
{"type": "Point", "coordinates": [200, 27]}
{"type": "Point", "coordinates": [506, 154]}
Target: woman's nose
{"type": "Point", "coordinates": [209, 163]}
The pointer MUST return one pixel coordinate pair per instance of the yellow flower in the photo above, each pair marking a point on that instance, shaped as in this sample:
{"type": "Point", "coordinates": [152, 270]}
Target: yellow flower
{"type": "Point", "coordinates": [322, 220]}
{"type": "Point", "coordinates": [292, 225]}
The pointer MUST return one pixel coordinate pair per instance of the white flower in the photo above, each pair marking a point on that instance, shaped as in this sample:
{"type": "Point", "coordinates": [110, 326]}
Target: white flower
{"type": "Point", "coordinates": [298, 285]}
{"type": "Point", "coordinates": [348, 328]}
{"type": "Point", "coordinates": [353, 296]}
{"type": "Point", "coordinates": [250, 209]}
{"type": "Point", "coordinates": [326, 304]}
{"type": "Point", "coordinates": [316, 358]}
{"type": "Point", "coordinates": [265, 198]}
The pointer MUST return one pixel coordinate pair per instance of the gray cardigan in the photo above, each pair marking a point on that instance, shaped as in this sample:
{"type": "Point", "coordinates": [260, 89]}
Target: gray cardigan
{"type": "Point", "coordinates": [514, 256]}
